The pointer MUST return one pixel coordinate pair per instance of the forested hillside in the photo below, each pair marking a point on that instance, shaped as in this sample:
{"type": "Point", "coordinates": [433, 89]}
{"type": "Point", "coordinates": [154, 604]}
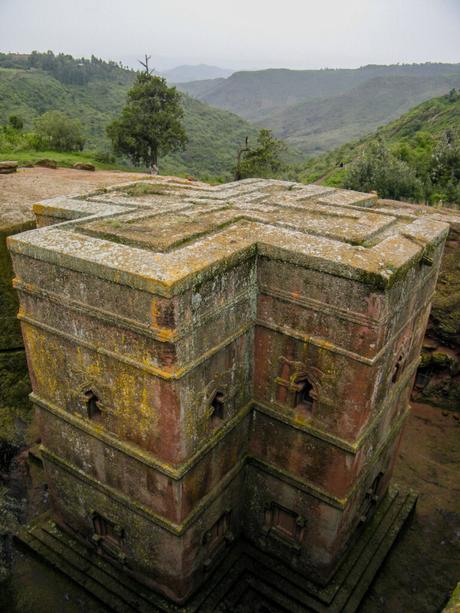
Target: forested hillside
{"type": "Point", "coordinates": [317, 110]}
{"type": "Point", "coordinates": [317, 126]}
{"type": "Point", "coordinates": [94, 91]}
{"type": "Point", "coordinates": [420, 151]}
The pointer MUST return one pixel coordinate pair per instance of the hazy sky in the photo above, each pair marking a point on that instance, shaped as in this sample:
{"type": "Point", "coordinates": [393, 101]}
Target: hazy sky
{"type": "Point", "coordinates": [238, 33]}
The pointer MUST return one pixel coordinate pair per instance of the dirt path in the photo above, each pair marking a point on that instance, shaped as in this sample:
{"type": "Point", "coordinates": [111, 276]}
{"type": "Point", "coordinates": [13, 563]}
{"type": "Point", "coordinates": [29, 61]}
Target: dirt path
{"type": "Point", "coordinates": [29, 185]}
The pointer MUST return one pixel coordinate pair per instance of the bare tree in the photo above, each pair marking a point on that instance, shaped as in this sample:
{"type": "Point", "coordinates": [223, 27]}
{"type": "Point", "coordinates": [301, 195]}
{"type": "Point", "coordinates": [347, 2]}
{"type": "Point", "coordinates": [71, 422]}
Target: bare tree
{"type": "Point", "coordinates": [145, 64]}
{"type": "Point", "coordinates": [241, 150]}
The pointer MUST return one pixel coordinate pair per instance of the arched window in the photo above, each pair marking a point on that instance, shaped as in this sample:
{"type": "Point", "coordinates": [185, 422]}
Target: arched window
{"type": "Point", "coordinates": [217, 406]}
{"type": "Point", "coordinates": [304, 396]}
{"type": "Point", "coordinates": [371, 497]}
{"type": "Point", "coordinates": [398, 368]}
{"type": "Point", "coordinates": [92, 405]}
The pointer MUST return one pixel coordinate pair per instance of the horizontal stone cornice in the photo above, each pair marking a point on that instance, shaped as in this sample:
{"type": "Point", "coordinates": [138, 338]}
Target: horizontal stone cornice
{"type": "Point", "coordinates": [178, 529]}
{"type": "Point", "coordinates": [127, 501]}
{"type": "Point", "coordinates": [172, 471]}
{"type": "Point", "coordinates": [161, 334]}
{"type": "Point", "coordinates": [167, 375]}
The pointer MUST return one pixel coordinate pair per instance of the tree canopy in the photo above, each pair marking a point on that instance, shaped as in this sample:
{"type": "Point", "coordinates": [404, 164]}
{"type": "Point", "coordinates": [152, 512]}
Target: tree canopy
{"type": "Point", "coordinates": [57, 131]}
{"type": "Point", "coordinates": [150, 125]}
{"type": "Point", "coordinates": [377, 169]}
{"type": "Point", "coordinates": [262, 161]}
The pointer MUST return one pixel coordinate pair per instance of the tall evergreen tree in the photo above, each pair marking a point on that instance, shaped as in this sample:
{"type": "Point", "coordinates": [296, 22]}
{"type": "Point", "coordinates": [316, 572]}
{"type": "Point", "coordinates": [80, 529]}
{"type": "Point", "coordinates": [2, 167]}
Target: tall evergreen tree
{"type": "Point", "coordinates": [150, 124]}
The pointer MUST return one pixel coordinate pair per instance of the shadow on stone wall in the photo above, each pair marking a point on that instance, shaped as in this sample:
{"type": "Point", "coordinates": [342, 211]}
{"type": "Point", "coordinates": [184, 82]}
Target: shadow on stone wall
{"type": "Point", "coordinates": [438, 377]}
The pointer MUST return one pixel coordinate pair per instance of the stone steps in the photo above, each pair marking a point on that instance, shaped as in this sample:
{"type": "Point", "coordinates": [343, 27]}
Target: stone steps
{"type": "Point", "coordinates": [349, 584]}
{"type": "Point", "coordinates": [244, 569]}
{"type": "Point", "coordinates": [113, 588]}
{"type": "Point", "coordinates": [116, 589]}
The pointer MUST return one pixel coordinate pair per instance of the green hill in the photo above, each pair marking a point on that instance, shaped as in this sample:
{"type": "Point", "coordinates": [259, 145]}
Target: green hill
{"type": "Point", "coordinates": [413, 139]}
{"type": "Point", "coordinates": [94, 91]}
{"type": "Point", "coordinates": [317, 126]}
{"type": "Point", "coordinates": [317, 110]}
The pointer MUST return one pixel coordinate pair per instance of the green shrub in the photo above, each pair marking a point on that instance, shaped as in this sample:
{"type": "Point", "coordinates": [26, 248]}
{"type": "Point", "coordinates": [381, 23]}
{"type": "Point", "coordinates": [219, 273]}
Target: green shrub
{"type": "Point", "coordinates": [264, 160]}
{"type": "Point", "coordinates": [105, 157]}
{"type": "Point", "coordinates": [59, 132]}
{"type": "Point", "coordinates": [377, 169]}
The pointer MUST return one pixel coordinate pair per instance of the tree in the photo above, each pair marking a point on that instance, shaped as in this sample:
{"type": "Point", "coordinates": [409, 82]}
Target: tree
{"type": "Point", "coordinates": [150, 123]}
{"type": "Point", "coordinates": [264, 160]}
{"type": "Point", "coordinates": [59, 132]}
{"type": "Point", "coordinates": [379, 170]}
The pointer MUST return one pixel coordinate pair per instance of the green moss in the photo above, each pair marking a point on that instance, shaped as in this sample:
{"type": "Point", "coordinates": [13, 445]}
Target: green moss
{"type": "Point", "coordinates": [453, 606]}
{"type": "Point", "coordinates": [145, 189]}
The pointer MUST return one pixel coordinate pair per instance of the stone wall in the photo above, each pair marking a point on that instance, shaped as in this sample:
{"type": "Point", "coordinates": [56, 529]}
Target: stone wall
{"type": "Point", "coordinates": [15, 407]}
{"type": "Point", "coordinates": [438, 378]}
{"type": "Point", "coordinates": [208, 362]}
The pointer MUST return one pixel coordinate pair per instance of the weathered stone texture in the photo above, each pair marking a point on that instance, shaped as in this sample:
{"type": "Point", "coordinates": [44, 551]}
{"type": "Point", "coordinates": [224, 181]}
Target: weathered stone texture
{"type": "Point", "coordinates": [216, 362]}
{"type": "Point", "coordinates": [438, 379]}
{"type": "Point", "coordinates": [14, 382]}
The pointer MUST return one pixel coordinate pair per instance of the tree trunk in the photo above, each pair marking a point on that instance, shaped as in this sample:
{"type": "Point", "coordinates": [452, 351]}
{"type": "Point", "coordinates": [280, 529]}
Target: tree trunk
{"type": "Point", "coordinates": [242, 150]}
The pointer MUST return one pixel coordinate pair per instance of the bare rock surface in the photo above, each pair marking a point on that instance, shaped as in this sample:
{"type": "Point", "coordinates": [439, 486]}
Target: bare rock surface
{"type": "Point", "coordinates": [19, 191]}
{"type": "Point", "coordinates": [8, 167]}
{"type": "Point", "coordinates": [84, 166]}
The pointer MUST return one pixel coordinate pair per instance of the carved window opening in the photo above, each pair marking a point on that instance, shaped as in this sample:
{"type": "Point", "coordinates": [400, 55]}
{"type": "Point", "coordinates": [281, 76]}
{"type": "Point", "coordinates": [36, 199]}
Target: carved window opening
{"type": "Point", "coordinates": [284, 524]}
{"type": "Point", "coordinates": [217, 538]}
{"type": "Point", "coordinates": [106, 531]}
{"type": "Point", "coordinates": [371, 497]}
{"type": "Point", "coordinates": [304, 397]}
{"type": "Point", "coordinates": [398, 368]}
{"type": "Point", "coordinates": [217, 406]}
{"type": "Point", "coordinates": [92, 405]}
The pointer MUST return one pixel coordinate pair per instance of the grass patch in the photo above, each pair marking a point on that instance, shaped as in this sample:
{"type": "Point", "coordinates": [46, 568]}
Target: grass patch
{"type": "Point", "coordinates": [63, 159]}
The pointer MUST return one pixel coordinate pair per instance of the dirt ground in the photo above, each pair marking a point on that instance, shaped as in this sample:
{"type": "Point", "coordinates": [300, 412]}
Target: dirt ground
{"type": "Point", "coordinates": [28, 185]}
{"type": "Point", "coordinates": [423, 567]}
{"type": "Point", "coordinates": [418, 576]}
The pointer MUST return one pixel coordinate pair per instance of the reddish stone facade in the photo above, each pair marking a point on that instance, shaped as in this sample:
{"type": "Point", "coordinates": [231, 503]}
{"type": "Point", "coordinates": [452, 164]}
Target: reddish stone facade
{"type": "Point", "coordinates": [212, 364]}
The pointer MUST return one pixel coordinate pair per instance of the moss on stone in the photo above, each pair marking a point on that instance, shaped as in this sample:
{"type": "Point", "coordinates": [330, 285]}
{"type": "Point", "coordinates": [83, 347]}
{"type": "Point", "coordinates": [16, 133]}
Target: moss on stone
{"type": "Point", "coordinates": [446, 302]}
{"type": "Point", "coordinates": [453, 606]}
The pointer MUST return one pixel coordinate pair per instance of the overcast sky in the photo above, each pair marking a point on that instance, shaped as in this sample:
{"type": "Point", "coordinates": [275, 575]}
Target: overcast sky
{"type": "Point", "coordinates": [238, 33]}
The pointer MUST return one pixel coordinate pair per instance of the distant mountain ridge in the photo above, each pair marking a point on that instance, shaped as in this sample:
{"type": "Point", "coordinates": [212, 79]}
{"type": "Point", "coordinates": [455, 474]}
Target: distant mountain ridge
{"type": "Point", "coordinates": [187, 72]}
{"type": "Point", "coordinates": [317, 110]}
{"type": "Point", "coordinates": [319, 125]}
